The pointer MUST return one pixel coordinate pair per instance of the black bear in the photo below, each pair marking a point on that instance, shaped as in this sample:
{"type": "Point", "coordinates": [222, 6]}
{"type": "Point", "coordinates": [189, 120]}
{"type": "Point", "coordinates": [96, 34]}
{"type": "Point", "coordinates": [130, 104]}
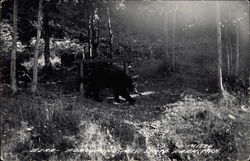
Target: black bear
{"type": "Point", "coordinates": [113, 78]}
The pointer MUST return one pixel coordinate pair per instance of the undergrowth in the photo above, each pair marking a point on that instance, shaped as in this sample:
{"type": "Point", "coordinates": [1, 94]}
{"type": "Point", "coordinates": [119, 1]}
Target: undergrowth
{"type": "Point", "coordinates": [160, 126]}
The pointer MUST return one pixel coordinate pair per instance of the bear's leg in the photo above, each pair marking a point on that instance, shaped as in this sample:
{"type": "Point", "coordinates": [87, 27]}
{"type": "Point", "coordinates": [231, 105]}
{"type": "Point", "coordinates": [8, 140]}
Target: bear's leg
{"type": "Point", "coordinates": [88, 91]}
{"type": "Point", "coordinates": [126, 95]}
{"type": "Point", "coordinates": [97, 94]}
{"type": "Point", "coordinates": [116, 95]}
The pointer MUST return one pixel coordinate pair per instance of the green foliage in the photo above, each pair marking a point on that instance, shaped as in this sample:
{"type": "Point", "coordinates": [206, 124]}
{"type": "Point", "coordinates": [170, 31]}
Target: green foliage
{"type": "Point", "coordinates": [6, 31]}
{"type": "Point", "coordinates": [58, 49]}
{"type": "Point", "coordinates": [5, 39]}
{"type": "Point", "coordinates": [58, 46]}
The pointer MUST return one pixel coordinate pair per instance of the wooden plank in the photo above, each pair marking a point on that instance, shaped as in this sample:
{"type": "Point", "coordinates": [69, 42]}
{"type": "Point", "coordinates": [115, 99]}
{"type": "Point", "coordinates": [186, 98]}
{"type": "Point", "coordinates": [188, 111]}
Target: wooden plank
{"type": "Point", "coordinates": [101, 61]}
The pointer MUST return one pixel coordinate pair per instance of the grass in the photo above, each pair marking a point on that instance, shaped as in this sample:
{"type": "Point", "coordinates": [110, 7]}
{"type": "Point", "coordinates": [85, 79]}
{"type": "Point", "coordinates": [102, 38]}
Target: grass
{"type": "Point", "coordinates": [157, 127]}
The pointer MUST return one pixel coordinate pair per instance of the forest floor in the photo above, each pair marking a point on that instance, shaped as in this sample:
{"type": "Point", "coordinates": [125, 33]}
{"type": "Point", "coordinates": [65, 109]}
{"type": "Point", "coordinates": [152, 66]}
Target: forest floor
{"type": "Point", "coordinates": [165, 124]}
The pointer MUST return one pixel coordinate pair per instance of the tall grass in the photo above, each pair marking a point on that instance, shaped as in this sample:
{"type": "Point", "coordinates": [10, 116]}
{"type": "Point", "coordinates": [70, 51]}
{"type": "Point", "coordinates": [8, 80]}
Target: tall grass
{"type": "Point", "coordinates": [156, 128]}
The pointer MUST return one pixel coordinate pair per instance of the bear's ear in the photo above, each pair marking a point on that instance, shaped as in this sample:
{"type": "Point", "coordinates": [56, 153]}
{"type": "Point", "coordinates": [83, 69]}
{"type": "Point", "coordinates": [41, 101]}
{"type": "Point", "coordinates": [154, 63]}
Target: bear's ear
{"type": "Point", "coordinates": [135, 77]}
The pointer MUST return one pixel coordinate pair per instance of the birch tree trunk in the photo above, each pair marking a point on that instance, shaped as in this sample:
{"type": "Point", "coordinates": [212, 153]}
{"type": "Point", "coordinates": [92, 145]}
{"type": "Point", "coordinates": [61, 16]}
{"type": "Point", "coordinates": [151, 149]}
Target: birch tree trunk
{"type": "Point", "coordinates": [228, 60]}
{"type": "Point", "coordinates": [38, 36]}
{"type": "Point", "coordinates": [96, 33]}
{"type": "Point", "coordinates": [219, 49]}
{"type": "Point", "coordinates": [46, 36]}
{"type": "Point", "coordinates": [249, 59]}
{"type": "Point", "coordinates": [237, 50]}
{"type": "Point", "coordinates": [90, 35]}
{"type": "Point", "coordinates": [165, 36]}
{"type": "Point", "coordinates": [227, 51]}
{"type": "Point", "coordinates": [13, 52]}
{"type": "Point", "coordinates": [173, 45]}
{"type": "Point", "coordinates": [110, 34]}
{"type": "Point", "coordinates": [231, 54]}
{"type": "Point", "coordinates": [230, 47]}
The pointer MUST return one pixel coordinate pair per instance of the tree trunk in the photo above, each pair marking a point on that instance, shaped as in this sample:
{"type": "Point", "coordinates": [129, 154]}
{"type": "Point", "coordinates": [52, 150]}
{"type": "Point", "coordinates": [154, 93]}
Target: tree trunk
{"type": "Point", "coordinates": [173, 45]}
{"type": "Point", "coordinates": [0, 11]}
{"type": "Point", "coordinates": [38, 36]}
{"type": "Point", "coordinates": [90, 35]}
{"type": "Point", "coordinates": [95, 33]}
{"type": "Point", "coordinates": [230, 46]}
{"type": "Point", "coordinates": [110, 34]}
{"type": "Point", "coordinates": [237, 50]}
{"type": "Point", "coordinates": [219, 49]}
{"type": "Point", "coordinates": [227, 51]}
{"type": "Point", "coordinates": [46, 35]}
{"type": "Point", "coordinates": [165, 37]}
{"type": "Point", "coordinates": [249, 58]}
{"type": "Point", "coordinates": [231, 54]}
{"type": "Point", "coordinates": [13, 52]}
{"type": "Point", "coordinates": [228, 60]}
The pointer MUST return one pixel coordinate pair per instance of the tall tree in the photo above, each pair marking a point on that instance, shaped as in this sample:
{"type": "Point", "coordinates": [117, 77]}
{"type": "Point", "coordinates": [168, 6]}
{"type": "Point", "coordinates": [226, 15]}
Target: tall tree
{"type": "Point", "coordinates": [237, 49]}
{"type": "Point", "coordinates": [165, 35]}
{"type": "Point", "coordinates": [46, 31]}
{"type": "Point", "coordinates": [95, 32]}
{"type": "Point", "coordinates": [110, 33]}
{"type": "Point", "coordinates": [38, 36]}
{"type": "Point", "coordinates": [90, 33]}
{"type": "Point", "coordinates": [230, 53]}
{"type": "Point", "coordinates": [173, 45]}
{"type": "Point", "coordinates": [14, 49]}
{"type": "Point", "coordinates": [219, 49]}
{"type": "Point", "coordinates": [248, 9]}
{"type": "Point", "coordinates": [227, 45]}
